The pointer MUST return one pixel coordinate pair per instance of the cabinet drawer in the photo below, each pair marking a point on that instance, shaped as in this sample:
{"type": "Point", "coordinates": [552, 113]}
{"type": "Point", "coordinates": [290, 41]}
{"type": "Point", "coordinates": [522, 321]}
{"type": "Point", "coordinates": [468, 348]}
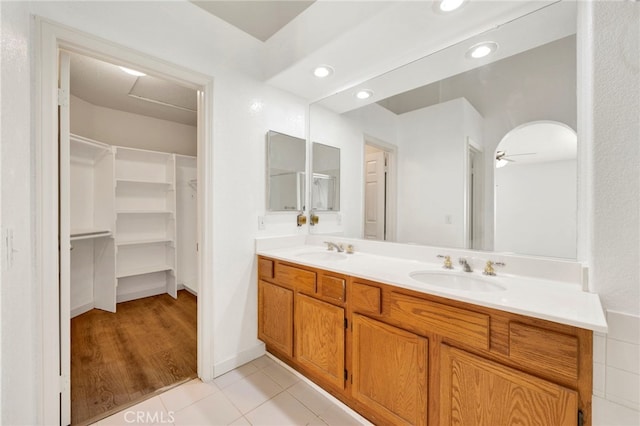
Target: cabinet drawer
{"type": "Point", "coordinates": [366, 298]}
{"type": "Point", "coordinates": [265, 268]}
{"type": "Point", "coordinates": [541, 349]}
{"type": "Point", "coordinates": [300, 279]}
{"type": "Point", "coordinates": [333, 288]}
{"type": "Point", "coordinates": [468, 327]}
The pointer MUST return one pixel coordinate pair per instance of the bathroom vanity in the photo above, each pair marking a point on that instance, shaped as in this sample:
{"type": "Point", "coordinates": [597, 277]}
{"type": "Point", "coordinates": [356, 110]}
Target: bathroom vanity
{"type": "Point", "coordinates": [399, 352]}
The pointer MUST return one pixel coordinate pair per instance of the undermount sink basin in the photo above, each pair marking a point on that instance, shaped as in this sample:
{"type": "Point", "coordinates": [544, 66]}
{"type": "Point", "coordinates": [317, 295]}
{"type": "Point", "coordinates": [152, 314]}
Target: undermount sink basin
{"type": "Point", "coordinates": [455, 281]}
{"type": "Point", "coordinates": [321, 256]}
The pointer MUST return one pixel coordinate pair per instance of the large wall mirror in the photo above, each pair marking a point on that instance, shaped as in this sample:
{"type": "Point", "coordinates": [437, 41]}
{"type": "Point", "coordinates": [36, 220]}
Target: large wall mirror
{"type": "Point", "coordinates": [325, 181]}
{"type": "Point", "coordinates": [286, 160]}
{"type": "Point", "coordinates": [438, 124]}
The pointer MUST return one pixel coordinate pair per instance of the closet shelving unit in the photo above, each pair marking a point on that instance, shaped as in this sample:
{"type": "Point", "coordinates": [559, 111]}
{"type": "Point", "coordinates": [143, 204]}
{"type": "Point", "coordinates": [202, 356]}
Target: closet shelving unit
{"type": "Point", "coordinates": [92, 223]}
{"type": "Point", "coordinates": [145, 208]}
{"type": "Point", "coordinates": [186, 174]}
{"type": "Point", "coordinates": [132, 224]}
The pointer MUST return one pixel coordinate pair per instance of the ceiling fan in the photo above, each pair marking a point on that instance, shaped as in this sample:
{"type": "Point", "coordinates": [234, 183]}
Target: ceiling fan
{"type": "Point", "coordinates": [502, 159]}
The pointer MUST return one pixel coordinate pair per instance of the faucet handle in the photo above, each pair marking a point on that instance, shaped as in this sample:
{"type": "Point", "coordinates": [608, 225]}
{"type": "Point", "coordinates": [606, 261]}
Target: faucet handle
{"type": "Point", "coordinates": [301, 219]}
{"type": "Point", "coordinates": [489, 267]}
{"type": "Point", "coordinates": [447, 261]}
{"type": "Point", "coordinates": [329, 245]}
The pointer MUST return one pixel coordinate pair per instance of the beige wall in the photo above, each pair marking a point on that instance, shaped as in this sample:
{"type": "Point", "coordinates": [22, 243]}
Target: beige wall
{"type": "Point", "coordinates": [133, 130]}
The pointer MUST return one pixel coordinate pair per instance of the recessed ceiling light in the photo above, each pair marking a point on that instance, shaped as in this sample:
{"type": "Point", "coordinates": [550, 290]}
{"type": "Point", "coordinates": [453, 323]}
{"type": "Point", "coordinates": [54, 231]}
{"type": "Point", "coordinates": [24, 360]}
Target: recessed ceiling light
{"type": "Point", "coordinates": [481, 50]}
{"type": "Point", "coordinates": [133, 72]}
{"type": "Point", "coordinates": [364, 94]}
{"type": "Point", "coordinates": [450, 5]}
{"type": "Point", "coordinates": [323, 71]}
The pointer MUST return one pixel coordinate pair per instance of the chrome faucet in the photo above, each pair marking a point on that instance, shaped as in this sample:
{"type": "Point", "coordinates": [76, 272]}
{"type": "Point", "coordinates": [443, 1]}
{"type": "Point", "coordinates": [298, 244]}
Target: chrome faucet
{"type": "Point", "coordinates": [465, 265]}
{"type": "Point", "coordinates": [331, 245]}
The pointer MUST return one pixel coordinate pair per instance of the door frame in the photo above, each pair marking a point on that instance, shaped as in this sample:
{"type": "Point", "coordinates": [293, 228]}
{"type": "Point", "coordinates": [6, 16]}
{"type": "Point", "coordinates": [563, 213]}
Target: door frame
{"type": "Point", "coordinates": [473, 218]}
{"type": "Point", "coordinates": [392, 184]}
{"type": "Point", "coordinates": [50, 38]}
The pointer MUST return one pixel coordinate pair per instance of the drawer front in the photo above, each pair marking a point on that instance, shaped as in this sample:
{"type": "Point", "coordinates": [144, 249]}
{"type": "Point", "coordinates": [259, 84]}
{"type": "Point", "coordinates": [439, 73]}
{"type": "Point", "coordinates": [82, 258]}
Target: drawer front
{"type": "Point", "coordinates": [265, 268]}
{"type": "Point", "coordinates": [300, 279]}
{"type": "Point", "coordinates": [468, 327]}
{"type": "Point", "coordinates": [366, 298]}
{"type": "Point", "coordinates": [333, 288]}
{"type": "Point", "coordinates": [541, 349]}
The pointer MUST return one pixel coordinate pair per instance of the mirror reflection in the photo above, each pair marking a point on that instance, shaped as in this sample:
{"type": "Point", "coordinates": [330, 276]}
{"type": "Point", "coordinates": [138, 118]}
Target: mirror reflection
{"type": "Point", "coordinates": [286, 158]}
{"type": "Point", "coordinates": [325, 182]}
{"type": "Point", "coordinates": [535, 184]}
{"type": "Point", "coordinates": [435, 143]}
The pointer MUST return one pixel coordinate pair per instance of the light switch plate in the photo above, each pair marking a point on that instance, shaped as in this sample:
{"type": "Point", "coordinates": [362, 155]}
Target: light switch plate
{"type": "Point", "coordinates": [261, 223]}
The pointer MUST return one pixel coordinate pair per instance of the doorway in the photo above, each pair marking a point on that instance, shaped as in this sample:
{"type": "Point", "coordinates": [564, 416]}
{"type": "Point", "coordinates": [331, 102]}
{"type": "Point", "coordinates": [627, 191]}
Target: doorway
{"type": "Point", "coordinates": [128, 181]}
{"type": "Point", "coordinates": [474, 197]}
{"type": "Point", "coordinates": [379, 190]}
{"type": "Point", "coordinates": [50, 257]}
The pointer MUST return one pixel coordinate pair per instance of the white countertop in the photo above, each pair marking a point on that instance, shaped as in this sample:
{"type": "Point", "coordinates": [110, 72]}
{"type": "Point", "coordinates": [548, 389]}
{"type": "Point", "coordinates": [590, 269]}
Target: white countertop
{"type": "Point", "coordinates": [556, 301]}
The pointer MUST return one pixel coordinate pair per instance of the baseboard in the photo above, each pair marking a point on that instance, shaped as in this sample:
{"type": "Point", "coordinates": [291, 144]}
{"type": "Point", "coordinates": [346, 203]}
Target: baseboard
{"type": "Point", "coordinates": [189, 289]}
{"type": "Point", "coordinates": [82, 309]}
{"type": "Point", "coordinates": [140, 294]}
{"type": "Point", "coordinates": [240, 359]}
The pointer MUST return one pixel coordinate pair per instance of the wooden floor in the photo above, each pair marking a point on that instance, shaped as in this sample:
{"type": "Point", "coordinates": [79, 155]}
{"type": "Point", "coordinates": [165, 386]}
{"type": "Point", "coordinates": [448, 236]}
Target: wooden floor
{"type": "Point", "coordinates": [118, 358]}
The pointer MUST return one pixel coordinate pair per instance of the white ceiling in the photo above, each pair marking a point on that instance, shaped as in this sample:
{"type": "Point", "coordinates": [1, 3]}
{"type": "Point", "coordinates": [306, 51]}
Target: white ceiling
{"type": "Point", "coordinates": [261, 19]}
{"type": "Point", "coordinates": [104, 84]}
{"type": "Point", "coordinates": [360, 39]}
{"type": "Point", "coordinates": [479, 85]}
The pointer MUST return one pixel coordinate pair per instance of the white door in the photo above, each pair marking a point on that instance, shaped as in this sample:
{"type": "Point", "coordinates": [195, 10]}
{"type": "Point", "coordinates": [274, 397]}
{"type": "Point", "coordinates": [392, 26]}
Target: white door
{"type": "Point", "coordinates": [65, 237]}
{"type": "Point", "coordinates": [375, 196]}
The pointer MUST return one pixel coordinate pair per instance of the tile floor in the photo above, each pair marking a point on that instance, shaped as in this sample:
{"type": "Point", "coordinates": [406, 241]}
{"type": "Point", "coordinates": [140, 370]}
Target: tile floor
{"type": "Point", "coordinates": [261, 392]}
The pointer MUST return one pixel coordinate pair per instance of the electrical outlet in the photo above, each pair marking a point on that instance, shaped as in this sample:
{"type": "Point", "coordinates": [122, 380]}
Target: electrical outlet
{"type": "Point", "coordinates": [339, 219]}
{"type": "Point", "coordinates": [448, 220]}
{"type": "Point", "coordinates": [261, 223]}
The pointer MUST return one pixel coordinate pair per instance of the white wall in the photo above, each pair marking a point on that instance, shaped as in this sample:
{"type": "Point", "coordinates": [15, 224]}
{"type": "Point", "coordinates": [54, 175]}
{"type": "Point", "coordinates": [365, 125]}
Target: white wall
{"type": "Point", "coordinates": [535, 209]}
{"type": "Point", "coordinates": [431, 173]}
{"type": "Point", "coordinates": [613, 32]}
{"type": "Point", "coordinates": [133, 130]}
{"type": "Point", "coordinates": [20, 315]}
{"type": "Point", "coordinates": [238, 178]}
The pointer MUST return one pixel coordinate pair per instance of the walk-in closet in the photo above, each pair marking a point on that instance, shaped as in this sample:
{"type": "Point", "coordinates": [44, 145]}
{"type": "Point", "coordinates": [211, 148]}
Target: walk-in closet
{"type": "Point", "coordinates": [134, 237]}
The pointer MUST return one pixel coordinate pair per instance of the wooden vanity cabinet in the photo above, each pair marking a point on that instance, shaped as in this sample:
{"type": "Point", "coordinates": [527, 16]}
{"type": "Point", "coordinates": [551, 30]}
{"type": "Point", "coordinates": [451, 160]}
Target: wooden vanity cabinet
{"type": "Point", "coordinates": [399, 356]}
{"type": "Point", "coordinates": [389, 372]}
{"type": "Point", "coordinates": [301, 318]}
{"type": "Point", "coordinates": [275, 317]}
{"type": "Point", "coordinates": [320, 339]}
{"type": "Point", "coordinates": [476, 391]}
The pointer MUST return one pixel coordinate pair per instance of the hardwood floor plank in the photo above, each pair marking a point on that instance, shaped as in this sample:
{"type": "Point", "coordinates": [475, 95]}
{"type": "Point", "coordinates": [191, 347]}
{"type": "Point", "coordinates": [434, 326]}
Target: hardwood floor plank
{"type": "Point", "coordinates": [146, 345]}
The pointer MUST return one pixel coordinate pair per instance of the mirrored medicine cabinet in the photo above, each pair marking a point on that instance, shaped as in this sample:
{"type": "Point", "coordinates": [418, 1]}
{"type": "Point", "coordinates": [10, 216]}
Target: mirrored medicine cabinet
{"type": "Point", "coordinates": [286, 172]}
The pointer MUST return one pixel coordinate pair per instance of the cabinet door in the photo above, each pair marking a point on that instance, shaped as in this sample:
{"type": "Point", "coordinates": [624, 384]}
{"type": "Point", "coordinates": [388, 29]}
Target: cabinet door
{"type": "Point", "coordinates": [275, 317]}
{"type": "Point", "coordinates": [475, 391]}
{"type": "Point", "coordinates": [390, 372]}
{"type": "Point", "coordinates": [320, 339]}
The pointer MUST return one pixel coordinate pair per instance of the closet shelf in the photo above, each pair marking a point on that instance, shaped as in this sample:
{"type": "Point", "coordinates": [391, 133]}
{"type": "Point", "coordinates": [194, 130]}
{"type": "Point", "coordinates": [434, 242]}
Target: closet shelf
{"type": "Point", "coordinates": [144, 241]}
{"type": "Point", "coordinates": [84, 234]}
{"type": "Point", "coordinates": [144, 212]}
{"type": "Point", "coordinates": [141, 182]}
{"type": "Point", "coordinates": [144, 270]}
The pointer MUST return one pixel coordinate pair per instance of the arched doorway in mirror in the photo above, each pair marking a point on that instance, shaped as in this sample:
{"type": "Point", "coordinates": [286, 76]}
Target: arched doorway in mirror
{"type": "Point", "coordinates": [535, 190]}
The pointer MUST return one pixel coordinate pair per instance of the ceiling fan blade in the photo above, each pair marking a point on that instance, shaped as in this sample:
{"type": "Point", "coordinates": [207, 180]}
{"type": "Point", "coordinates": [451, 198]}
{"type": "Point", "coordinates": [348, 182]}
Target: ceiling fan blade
{"type": "Point", "coordinates": [524, 153]}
